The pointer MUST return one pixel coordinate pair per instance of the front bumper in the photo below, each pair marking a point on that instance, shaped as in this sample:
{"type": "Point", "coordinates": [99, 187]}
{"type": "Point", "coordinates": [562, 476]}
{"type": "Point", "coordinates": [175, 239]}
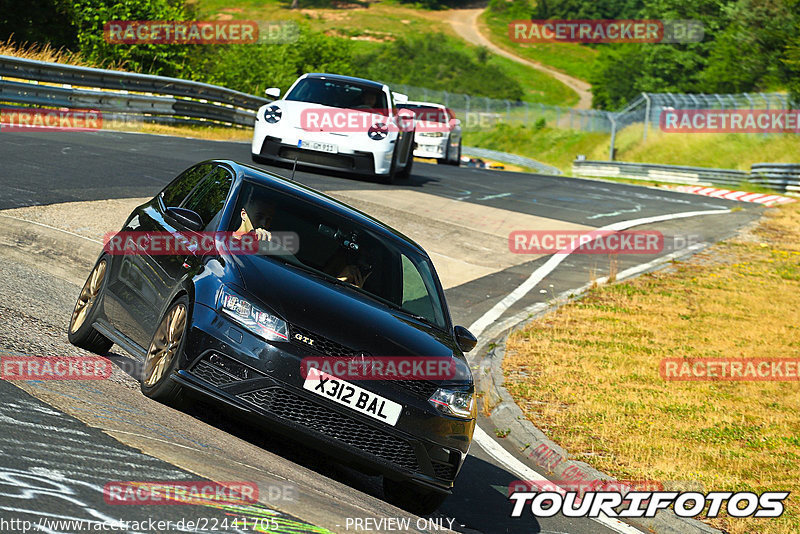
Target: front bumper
{"type": "Point", "coordinates": [357, 162]}
{"type": "Point", "coordinates": [262, 380]}
{"type": "Point", "coordinates": [430, 147]}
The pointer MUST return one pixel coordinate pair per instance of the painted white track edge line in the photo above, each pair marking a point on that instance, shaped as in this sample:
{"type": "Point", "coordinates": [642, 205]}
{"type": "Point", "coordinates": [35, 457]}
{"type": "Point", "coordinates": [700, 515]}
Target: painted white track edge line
{"type": "Point", "coordinates": [507, 460]}
{"type": "Point", "coordinates": [549, 266]}
{"type": "Point", "coordinates": [51, 228]}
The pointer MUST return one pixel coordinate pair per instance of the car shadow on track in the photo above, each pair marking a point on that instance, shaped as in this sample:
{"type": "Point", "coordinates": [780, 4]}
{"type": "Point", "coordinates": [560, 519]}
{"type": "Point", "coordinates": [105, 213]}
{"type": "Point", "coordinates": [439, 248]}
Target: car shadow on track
{"type": "Point", "coordinates": [479, 503]}
{"type": "Point", "coordinates": [417, 178]}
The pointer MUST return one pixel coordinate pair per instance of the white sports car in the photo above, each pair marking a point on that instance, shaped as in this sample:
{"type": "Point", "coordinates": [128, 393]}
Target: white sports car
{"type": "Point", "coordinates": [337, 122]}
{"type": "Point", "coordinates": [438, 132]}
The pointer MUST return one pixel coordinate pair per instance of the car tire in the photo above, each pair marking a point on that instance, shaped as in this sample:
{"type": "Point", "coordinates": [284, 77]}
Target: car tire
{"type": "Point", "coordinates": [80, 332]}
{"type": "Point", "coordinates": [405, 174]}
{"type": "Point", "coordinates": [411, 497]}
{"type": "Point", "coordinates": [446, 159]}
{"type": "Point", "coordinates": [164, 352]}
{"type": "Point", "coordinates": [457, 161]}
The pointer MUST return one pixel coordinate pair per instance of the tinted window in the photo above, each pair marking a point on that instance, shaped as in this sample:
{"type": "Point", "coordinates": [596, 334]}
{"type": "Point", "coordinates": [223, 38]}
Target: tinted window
{"type": "Point", "coordinates": [339, 94]}
{"type": "Point", "coordinates": [428, 113]}
{"type": "Point", "coordinates": [340, 249]}
{"type": "Point", "coordinates": [209, 198]}
{"type": "Point", "coordinates": [175, 192]}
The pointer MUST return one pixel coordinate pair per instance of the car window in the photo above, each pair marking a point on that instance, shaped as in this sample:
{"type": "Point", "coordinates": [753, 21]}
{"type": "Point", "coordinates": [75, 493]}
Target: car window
{"type": "Point", "coordinates": [208, 199]}
{"type": "Point", "coordinates": [174, 194]}
{"type": "Point", "coordinates": [416, 297]}
{"type": "Point", "coordinates": [339, 94]}
{"type": "Point", "coordinates": [343, 249]}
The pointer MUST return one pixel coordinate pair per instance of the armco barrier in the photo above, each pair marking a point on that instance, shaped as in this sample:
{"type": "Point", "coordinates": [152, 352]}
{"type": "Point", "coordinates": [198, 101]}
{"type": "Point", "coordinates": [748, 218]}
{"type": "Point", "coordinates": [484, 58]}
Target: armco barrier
{"type": "Point", "coordinates": [157, 98]}
{"type": "Point", "coordinates": [781, 177]}
{"type": "Point", "coordinates": [778, 176]}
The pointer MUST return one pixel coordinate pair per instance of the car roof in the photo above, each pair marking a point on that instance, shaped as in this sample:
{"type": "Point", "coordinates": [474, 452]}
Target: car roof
{"type": "Point", "coordinates": [291, 187]}
{"type": "Point", "coordinates": [343, 78]}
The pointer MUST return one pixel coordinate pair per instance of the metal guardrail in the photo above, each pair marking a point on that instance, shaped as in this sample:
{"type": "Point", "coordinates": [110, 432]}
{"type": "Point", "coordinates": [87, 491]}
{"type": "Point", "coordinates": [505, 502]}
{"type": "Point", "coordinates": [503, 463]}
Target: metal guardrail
{"type": "Point", "coordinates": [514, 159]}
{"type": "Point", "coordinates": [778, 176]}
{"type": "Point", "coordinates": [782, 177]}
{"type": "Point", "coordinates": [157, 98]}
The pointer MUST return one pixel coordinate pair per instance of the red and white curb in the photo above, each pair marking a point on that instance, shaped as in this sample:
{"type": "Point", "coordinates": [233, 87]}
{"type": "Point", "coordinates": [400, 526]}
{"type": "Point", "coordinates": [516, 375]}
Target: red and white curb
{"type": "Point", "coordinates": [743, 196]}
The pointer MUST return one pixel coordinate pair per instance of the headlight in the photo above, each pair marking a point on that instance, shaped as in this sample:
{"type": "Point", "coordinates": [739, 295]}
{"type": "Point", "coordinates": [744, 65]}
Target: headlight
{"type": "Point", "coordinates": [431, 134]}
{"type": "Point", "coordinates": [457, 403]}
{"type": "Point", "coordinates": [252, 317]}
{"type": "Point", "coordinates": [378, 132]}
{"type": "Point", "coordinates": [272, 114]}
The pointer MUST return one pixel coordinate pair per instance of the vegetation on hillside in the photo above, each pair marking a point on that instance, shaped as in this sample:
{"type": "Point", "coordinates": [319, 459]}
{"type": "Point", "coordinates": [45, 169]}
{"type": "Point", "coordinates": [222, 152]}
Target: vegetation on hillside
{"type": "Point", "coordinates": [749, 46]}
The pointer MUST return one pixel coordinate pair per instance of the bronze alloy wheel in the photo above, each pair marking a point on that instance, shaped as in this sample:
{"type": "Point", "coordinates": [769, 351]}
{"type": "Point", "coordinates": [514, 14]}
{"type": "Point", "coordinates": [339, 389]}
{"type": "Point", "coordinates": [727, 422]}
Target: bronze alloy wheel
{"type": "Point", "coordinates": [165, 344]}
{"type": "Point", "coordinates": [88, 296]}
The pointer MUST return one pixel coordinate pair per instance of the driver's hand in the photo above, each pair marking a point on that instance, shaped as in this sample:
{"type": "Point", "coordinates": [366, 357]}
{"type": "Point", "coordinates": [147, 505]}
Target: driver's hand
{"type": "Point", "coordinates": [262, 235]}
{"type": "Point", "coordinates": [353, 275]}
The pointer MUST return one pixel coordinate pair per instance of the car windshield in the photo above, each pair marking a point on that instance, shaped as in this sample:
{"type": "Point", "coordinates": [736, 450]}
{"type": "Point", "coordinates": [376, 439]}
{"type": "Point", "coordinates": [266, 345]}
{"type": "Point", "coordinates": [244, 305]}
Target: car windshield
{"type": "Point", "coordinates": [339, 94]}
{"type": "Point", "coordinates": [341, 251]}
{"type": "Point", "coordinates": [427, 113]}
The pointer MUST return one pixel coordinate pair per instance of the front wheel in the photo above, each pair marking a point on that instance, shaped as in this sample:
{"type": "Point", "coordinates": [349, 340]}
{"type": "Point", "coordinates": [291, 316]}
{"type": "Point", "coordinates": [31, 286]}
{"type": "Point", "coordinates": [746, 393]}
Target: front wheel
{"type": "Point", "coordinates": [81, 332]}
{"type": "Point", "coordinates": [457, 161]}
{"type": "Point", "coordinates": [412, 498]}
{"type": "Point", "coordinates": [164, 352]}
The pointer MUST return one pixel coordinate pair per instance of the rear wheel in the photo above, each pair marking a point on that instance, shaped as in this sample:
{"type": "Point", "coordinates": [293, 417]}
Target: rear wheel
{"type": "Point", "coordinates": [81, 332]}
{"type": "Point", "coordinates": [412, 498]}
{"type": "Point", "coordinates": [163, 354]}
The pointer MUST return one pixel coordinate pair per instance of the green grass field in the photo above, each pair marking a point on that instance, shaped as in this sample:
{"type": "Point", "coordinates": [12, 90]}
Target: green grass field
{"type": "Point", "coordinates": [370, 24]}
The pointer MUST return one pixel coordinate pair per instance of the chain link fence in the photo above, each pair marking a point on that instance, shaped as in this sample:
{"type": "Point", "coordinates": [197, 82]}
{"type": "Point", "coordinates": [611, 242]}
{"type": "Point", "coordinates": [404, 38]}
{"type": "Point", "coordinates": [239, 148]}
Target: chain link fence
{"type": "Point", "coordinates": [478, 112]}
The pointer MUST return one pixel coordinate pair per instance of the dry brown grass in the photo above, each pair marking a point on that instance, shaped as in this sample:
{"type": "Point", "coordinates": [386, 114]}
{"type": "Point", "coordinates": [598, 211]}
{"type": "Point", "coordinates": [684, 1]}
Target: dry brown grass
{"type": "Point", "coordinates": [588, 374]}
{"type": "Point", "coordinates": [212, 133]}
{"type": "Point", "coordinates": [40, 52]}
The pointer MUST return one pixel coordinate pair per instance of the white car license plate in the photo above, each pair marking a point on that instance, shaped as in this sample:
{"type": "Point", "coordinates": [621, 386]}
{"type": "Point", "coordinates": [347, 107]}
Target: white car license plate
{"type": "Point", "coordinates": [352, 396]}
{"type": "Point", "coordinates": [321, 147]}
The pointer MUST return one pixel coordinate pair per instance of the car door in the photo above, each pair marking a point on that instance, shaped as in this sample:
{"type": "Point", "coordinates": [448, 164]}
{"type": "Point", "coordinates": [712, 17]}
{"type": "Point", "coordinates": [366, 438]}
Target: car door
{"type": "Point", "coordinates": [133, 284]}
{"type": "Point", "coordinates": [168, 270]}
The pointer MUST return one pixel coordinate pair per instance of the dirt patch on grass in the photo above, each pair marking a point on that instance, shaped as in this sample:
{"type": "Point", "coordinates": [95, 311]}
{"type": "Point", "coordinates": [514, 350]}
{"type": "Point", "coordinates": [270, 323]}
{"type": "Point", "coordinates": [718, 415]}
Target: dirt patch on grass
{"type": "Point", "coordinates": [588, 375]}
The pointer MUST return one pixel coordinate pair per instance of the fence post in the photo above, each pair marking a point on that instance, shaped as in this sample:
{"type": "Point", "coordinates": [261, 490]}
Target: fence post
{"type": "Point", "coordinates": [611, 154]}
{"type": "Point", "coordinates": [466, 113]}
{"type": "Point", "coordinates": [646, 116]}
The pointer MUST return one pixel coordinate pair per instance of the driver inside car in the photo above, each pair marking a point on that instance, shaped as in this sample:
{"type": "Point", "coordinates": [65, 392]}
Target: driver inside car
{"type": "Point", "coordinates": [256, 218]}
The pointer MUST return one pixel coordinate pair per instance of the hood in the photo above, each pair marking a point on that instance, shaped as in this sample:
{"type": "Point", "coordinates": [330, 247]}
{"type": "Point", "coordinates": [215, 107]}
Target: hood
{"type": "Point", "coordinates": [343, 315]}
{"type": "Point", "coordinates": [336, 121]}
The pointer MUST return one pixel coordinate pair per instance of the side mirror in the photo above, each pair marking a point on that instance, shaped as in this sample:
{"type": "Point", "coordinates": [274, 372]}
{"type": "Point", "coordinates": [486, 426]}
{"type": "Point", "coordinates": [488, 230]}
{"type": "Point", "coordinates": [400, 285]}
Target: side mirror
{"type": "Point", "coordinates": [188, 218]}
{"type": "Point", "coordinates": [273, 92]}
{"type": "Point", "coordinates": [464, 339]}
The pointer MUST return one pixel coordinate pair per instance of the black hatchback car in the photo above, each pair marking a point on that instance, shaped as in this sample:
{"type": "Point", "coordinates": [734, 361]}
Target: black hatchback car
{"type": "Point", "coordinates": [323, 280]}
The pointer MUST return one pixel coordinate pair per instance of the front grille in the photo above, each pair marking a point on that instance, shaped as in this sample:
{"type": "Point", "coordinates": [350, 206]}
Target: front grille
{"type": "Point", "coordinates": [213, 375]}
{"type": "Point", "coordinates": [221, 370]}
{"type": "Point", "coordinates": [321, 344]}
{"type": "Point", "coordinates": [320, 158]}
{"type": "Point", "coordinates": [445, 471]}
{"type": "Point", "coordinates": [316, 417]}
{"type": "Point", "coordinates": [420, 388]}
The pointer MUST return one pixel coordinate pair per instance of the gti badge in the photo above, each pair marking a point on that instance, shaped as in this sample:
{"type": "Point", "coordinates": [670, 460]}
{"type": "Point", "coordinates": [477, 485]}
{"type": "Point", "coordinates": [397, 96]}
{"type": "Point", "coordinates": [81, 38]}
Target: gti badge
{"type": "Point", "coordinates": [304, 339]}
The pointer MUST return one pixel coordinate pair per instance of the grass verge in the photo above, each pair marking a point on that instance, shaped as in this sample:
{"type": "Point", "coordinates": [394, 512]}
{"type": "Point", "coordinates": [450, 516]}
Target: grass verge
{"type": "Point", "coordinates": [559, 147]}
{"type": "Point", "coordinates": [588, 374]}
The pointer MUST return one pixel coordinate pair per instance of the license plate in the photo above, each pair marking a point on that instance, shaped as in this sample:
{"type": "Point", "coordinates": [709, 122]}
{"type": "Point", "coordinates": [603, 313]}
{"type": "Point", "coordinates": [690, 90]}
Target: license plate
{"type": "Point", "coordinates": [352, 396]}
{"type": "Point", "coordinates": [321, 147]}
